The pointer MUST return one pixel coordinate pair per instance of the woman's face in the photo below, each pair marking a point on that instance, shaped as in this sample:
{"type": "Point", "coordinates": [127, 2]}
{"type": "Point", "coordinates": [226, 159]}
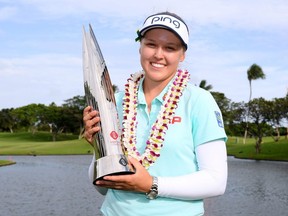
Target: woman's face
{"type": "Point", "coordinates": [160, 53]}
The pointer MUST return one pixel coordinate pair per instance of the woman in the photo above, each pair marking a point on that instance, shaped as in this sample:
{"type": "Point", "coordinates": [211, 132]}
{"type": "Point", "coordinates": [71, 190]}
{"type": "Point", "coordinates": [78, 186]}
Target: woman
{"type": "Point", "coordinates": [174, 135]}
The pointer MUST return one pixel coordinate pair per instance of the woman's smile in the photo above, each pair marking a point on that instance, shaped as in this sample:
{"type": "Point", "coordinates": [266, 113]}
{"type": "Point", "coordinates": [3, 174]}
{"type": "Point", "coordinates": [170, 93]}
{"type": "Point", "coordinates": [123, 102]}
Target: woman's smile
{"type": "Point", "coordinates": [157, 65]}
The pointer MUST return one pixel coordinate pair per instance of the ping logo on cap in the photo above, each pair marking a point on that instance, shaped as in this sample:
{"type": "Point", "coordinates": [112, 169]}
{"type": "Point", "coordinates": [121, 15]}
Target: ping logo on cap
{"type": "Point", "coordinates": [168, 19]}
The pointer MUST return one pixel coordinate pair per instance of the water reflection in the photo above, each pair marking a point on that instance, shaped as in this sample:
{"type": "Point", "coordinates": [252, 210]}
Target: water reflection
{"type": "Point", "coordinates": [48, 186]}
{"type": "Point", "coordinates": [254, 188]}
{"type": "Point", "coordinates": [58, 185]}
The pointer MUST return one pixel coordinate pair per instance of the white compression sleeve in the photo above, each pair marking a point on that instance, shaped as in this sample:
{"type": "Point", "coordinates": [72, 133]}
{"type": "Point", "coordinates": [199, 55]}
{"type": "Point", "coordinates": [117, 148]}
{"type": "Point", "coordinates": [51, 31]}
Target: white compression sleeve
{"type": "Point", "coordinates": [209, 181]}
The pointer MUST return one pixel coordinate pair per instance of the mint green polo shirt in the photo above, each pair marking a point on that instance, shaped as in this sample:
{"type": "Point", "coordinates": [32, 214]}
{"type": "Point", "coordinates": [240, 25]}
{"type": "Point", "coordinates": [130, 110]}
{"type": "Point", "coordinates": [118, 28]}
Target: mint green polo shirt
{"type": "Point", "coordinates": [197, 120]}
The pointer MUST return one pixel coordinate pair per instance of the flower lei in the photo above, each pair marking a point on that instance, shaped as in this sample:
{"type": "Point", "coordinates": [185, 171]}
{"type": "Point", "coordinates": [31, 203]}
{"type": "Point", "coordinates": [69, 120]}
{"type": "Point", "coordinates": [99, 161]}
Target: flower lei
{"type": "Point", "coordinates": [159, 128]}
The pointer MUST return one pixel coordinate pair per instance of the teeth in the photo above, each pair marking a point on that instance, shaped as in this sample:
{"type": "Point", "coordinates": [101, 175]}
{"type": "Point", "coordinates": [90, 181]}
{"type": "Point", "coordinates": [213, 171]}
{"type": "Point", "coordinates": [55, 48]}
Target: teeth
{"type": "Point", "coordinates": [157, 65]}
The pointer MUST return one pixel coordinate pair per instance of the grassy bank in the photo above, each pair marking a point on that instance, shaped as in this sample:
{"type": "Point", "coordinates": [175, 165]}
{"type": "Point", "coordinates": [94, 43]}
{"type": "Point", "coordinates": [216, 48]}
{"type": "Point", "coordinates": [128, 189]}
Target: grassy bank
{"type": "Point", "coordinates": [6, 162]}
{"type": "Point", "coordinates": [41, 144]}
{"type": "Point", "coordinates": [270, 150]}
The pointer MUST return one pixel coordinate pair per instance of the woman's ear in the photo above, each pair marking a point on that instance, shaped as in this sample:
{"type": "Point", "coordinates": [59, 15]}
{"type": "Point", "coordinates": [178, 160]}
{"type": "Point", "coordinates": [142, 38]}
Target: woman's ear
{"type": "Point", "coordinates": [182, 57]}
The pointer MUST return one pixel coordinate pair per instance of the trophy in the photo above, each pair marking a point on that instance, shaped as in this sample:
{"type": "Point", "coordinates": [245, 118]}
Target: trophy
{"type": "Point", "coordinates": [110, 159]}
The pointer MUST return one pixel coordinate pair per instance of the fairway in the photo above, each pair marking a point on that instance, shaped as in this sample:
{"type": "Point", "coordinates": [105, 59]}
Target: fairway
{"type": "Point", "coordinates": [270, 150]}
{"type": "Point", "coordinates": [41, 144]}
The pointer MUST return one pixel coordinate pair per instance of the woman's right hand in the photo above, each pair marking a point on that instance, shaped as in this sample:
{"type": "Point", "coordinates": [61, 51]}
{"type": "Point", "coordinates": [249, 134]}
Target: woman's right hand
{"type": "Point", "coordinates": [90, 120]}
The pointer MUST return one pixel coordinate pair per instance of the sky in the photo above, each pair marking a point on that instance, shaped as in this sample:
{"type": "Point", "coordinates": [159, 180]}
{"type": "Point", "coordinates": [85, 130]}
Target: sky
{"type": "Point", "coordinates": [41, 45]}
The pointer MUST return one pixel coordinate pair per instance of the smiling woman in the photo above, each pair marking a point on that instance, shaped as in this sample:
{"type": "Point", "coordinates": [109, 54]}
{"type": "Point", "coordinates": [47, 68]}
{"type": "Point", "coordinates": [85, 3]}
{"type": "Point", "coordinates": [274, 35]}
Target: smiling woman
{"type": "Point", "coordinates": [165, 121]}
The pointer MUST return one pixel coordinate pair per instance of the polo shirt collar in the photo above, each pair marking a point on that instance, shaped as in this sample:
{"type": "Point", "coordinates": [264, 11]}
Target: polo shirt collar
{"type": "Point", "coordinates": [141, 96]}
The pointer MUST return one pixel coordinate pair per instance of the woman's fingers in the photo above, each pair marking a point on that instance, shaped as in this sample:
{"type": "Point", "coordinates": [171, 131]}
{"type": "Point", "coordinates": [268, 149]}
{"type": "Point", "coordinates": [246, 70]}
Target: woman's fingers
{"type": "Point", "coordinates": [141, 181]}
{"type": "Point", "coordinates": [90, 120]}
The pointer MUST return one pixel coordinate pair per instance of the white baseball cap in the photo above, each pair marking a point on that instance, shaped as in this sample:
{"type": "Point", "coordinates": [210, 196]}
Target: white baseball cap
{"type": "Point", "coordinates": [166, 21]}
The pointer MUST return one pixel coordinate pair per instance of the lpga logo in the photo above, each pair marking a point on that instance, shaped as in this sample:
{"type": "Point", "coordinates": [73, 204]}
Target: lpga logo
{"type": "Point", "coordinates": [114, 135]}
{"type": "Point", "coordinates": [165, 19]}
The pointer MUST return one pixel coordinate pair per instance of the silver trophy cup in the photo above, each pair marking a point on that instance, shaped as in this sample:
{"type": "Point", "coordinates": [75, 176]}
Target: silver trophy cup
{"type": "Point", "coordinates": [99, 94]}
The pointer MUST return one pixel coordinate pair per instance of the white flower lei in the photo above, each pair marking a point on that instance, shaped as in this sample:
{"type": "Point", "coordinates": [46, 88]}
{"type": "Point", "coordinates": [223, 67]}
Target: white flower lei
{"type": "Point", "coordinates": [159, 128]}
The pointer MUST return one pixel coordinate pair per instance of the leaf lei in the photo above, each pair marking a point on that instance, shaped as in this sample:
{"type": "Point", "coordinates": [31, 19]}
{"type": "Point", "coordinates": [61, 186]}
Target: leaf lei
{"type": "Point", "coordinates": [159, 128]}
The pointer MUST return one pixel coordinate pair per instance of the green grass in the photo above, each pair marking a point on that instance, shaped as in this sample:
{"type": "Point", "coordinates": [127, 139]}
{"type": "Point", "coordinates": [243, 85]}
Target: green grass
{"type": "Point", "coordinates": [6, 162]}
{"type": "Point", "coordinates": [41, 144]}
{"type": "Point", "coordinates": [270, 150]}
{"type": "Point", "coordinates": [36, 137]}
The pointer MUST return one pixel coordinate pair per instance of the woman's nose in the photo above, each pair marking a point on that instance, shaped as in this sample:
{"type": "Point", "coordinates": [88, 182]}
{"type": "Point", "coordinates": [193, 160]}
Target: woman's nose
{"type": "Point", "coordinates": [158, 53]}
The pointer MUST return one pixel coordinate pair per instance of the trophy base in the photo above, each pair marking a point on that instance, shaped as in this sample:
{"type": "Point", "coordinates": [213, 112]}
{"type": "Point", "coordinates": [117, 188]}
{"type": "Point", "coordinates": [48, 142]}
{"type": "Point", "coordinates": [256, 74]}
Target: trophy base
{"type": "Point", "coordinates": [111, 165]}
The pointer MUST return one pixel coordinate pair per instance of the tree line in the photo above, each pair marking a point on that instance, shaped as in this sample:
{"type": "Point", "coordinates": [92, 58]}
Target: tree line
{"type": "Point", "coordinates": [66, 118]}
{"type": "Point", "coordinates": [266, 117]}
{"type": "Point", "coordinates": [257, 118]}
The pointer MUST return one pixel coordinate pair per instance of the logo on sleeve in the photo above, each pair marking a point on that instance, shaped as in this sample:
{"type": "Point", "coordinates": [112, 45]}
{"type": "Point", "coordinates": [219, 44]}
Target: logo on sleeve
{"type": "Point", "coordinates": [219, 119]}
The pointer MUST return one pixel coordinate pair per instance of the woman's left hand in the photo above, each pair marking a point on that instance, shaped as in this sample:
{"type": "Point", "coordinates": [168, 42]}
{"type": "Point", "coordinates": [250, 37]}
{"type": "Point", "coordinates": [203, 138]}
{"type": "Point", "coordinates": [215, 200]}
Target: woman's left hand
{"type": "Point", "coordinates": [141, 181]}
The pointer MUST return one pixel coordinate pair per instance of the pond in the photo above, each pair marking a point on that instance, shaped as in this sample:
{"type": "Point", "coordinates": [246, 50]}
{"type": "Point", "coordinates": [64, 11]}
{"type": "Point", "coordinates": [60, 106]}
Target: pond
{"type": "Point", "coordinates": [59, 185]}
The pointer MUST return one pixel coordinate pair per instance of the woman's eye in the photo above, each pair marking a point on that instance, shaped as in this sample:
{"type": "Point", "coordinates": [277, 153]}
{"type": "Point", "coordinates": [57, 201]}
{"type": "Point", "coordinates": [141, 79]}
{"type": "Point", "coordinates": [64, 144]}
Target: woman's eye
{"type": "Point", "coordinates": [170, 48]}
{"type": "Point", "coordinates": [150, 45]}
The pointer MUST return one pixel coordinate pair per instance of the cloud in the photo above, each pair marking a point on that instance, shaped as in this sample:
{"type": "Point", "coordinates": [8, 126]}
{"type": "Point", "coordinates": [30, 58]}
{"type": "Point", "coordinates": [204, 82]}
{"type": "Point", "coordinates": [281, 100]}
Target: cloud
{"type": "Point", "coordinates": [7, 13]}
{"type": "Point", "coordinates": [257, 14]}
{"type": "Point", "coordinates": [40, 54]}
{"type": "Point", "coordinates": [43, 78]}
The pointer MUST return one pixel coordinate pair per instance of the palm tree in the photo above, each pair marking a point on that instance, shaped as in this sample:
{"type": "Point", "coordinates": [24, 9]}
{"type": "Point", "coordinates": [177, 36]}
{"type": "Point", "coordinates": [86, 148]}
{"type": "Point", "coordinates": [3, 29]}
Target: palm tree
{"type": "Point", "coordinates": [253, 73]}
{"type": "Point", "coordinates": [203, 84]}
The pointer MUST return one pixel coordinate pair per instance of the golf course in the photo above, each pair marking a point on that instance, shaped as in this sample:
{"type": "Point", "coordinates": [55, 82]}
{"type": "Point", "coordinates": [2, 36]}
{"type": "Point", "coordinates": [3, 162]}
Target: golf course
{"type": "Point", "coordinates": [41, 143]}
